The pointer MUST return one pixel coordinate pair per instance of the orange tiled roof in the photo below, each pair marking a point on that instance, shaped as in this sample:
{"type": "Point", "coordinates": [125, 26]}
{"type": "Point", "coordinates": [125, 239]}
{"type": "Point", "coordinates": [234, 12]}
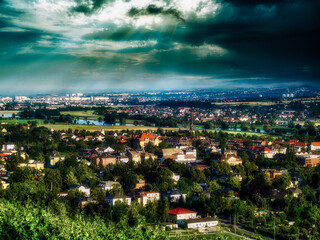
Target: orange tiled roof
{"type": "Point", "coordinates": [145, 136]}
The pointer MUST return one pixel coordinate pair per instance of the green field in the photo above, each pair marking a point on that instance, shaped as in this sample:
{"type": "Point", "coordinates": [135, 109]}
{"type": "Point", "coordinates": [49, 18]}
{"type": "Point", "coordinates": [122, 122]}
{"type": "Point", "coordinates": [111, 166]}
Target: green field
{"type": "Point", "coordinates": [82, 114]}
{"type": "Point", "coordinates": [21, 121]}
{"type": "Point", "coordinates": [242, 132]}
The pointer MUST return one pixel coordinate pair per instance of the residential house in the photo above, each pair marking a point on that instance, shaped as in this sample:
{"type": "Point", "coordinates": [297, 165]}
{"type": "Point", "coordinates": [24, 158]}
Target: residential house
{"type": "Point", "coordinates": [296, 192]}
{"type": "Point", "coordinates": [134, 156]}
{"type": "Point", "coordinates": [112, 199]}
{"type": "Point", "coordinates": [179, 155]}
{"type": "Point", "coordinates": [147, 156]}
{"type": "Point", "coordinates": [311, 161]}
{"type": "Point", "coordinates": [272, 173]}
{"type": "Point", "coordinates": [80, 187]}
{"type": "Point", "coordinates": [174, 196]}
{"type": "Point", "coordinates": [145, 197]}
{"type": "Point", "coordinates": [54, 159]}
{"type": "Point", "coordinates": [107, 185]}
{"type": "Point", "coordinates": [9, 148]}
{"type": "Point", "coordinates": [140, 184]}
{"type": "Point", "coordinates": [102, 150]}
{"type": "Point", "coordinates": [83, 201]}
{"type": "Point", "coordinates": [261, 150]}
{"type": "Point", "coordinates": [181, 214]}
{"type": "Point", "coordinates": [299, 146]}
{"type": "Point", "coordinates": [105, 159]}
{"type": "Point", "coordinates": [200, 223]}
{"type": "Point", "coordinates": [200, 167]}
{"type": "Point", "coordinates": [308, 159]}
{"type": "Point", "coordinates": [315, 146]}
{"type": "Point", "coordinates": [32, 164]}
{"type": "Point", "coordinates": [168, 225]}
{"type": "Point", "coordinates": [145, 138]}
{"type": "Point", "coordinates": [231, 157]}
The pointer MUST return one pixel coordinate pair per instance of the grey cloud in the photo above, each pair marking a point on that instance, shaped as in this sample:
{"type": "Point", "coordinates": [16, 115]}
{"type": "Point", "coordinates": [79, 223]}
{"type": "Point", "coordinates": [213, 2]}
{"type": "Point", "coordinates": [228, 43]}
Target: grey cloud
{"type": "Point", "coordinates": [88, 7]}
{"type": "Point", "coordinates": [154, 10]}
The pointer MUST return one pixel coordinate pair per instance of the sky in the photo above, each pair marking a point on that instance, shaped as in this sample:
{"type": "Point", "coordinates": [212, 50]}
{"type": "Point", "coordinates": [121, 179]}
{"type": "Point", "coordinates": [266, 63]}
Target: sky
{"type": "Point", "coordinates": [99, 45]}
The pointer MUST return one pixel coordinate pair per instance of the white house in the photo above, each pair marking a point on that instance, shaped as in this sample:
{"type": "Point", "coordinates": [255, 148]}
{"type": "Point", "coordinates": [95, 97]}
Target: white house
{"type": "Point", "coordinates": [118, 197]}
{"type": "Point", "coordinates": [179, 155]}
{"type": "Point", "coordinates": [182, 214]}
{"type": "Point", "coordinates": [105, 150]}
{"type": "Point", "coordinates": [82, 188]}
{"type": "Point", "coordinates": [174, 195]}
{"type": "Point", "coordinates": [107, 185]}
{"type": "Point", "coordinates": [32, 164]}
{"type": "Point", "coordinates": [8, 146]}
{"type": "Point", "coordinates": [145, 197]}
{"type": "Point", "coordinates": [315, 146]}
{"type": "Point", "coordinates": [199, 222]}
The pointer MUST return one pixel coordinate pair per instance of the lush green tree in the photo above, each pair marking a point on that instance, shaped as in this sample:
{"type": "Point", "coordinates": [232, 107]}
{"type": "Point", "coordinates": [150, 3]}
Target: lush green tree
{"type": "Point", "coordinates": [150, 147]}
{"type": "Point", "coordinates": [198, 176]}
{"type": "Point", "coordinates": [259, 187]}
{"type": "Point", "coordinates": [196, 188]}
{"type": "Point", "coordinates": [110, 118]}
{"type": "Point", "coordinates": [234, 183]}
{"type": "Point", "coordinates": [281, 182]}
{"type": "Point", "coordinates": [70, 179]}
{"type": "Point", "coordinates": [116, 189]}
{"type": "Point", "coordinates": [183, 184]}
{"type": "Point", "coordinates": [53, 179]}
{"type": "Point", "coordinates": [12, 162]}
{"type": "Point", "coordinates": [21, 175]}
{"type": "Point", "coordinates": [224, 168]}
{"type": "Point", "coordinates": [214, 187]}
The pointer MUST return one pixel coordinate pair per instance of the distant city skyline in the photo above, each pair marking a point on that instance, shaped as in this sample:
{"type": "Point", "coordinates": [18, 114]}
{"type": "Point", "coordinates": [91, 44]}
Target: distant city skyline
{"type": "Point", "coordinates": [58, 46]}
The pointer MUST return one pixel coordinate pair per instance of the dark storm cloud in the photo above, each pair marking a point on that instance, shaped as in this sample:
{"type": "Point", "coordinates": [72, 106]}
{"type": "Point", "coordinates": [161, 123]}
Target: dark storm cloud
{"type": "Point", "coordinates": [154, 10]}
{"type": "Point", "coordinates": [253, 2]}
{"type": "Point", "coordinates": [163, 36]}
{"type": "Point", "coordinates": [88, 7]}
{"type": "Point", "coordinates": [245, 42]}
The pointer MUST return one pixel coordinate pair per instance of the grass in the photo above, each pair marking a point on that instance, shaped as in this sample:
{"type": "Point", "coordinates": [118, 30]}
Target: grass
{"type": "Point", "coordinates": [241, 132]}
{"type": "Point", "coordinates": [82, 114]}
{"type": "Point", "coordinates": [21, 121]}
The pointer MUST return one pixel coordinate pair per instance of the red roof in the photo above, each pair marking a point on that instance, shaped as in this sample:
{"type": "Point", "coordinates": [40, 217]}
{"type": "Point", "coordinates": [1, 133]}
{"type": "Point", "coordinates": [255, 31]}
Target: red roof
{"type": "Point", "coordinates": [201, 166]}
{"type": "Point", "coordinates": [293, 142]}
{"type": "Point", "coordinates": [260, 149]}
{"type": "Point", "coordinates": [145, 136]}
{"type": "Point", "coordinates": [298, 143]}
{"type": "Point", "coordinates": [177, 211]}
{"type": "Point", "coordinates": [315, 143]}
